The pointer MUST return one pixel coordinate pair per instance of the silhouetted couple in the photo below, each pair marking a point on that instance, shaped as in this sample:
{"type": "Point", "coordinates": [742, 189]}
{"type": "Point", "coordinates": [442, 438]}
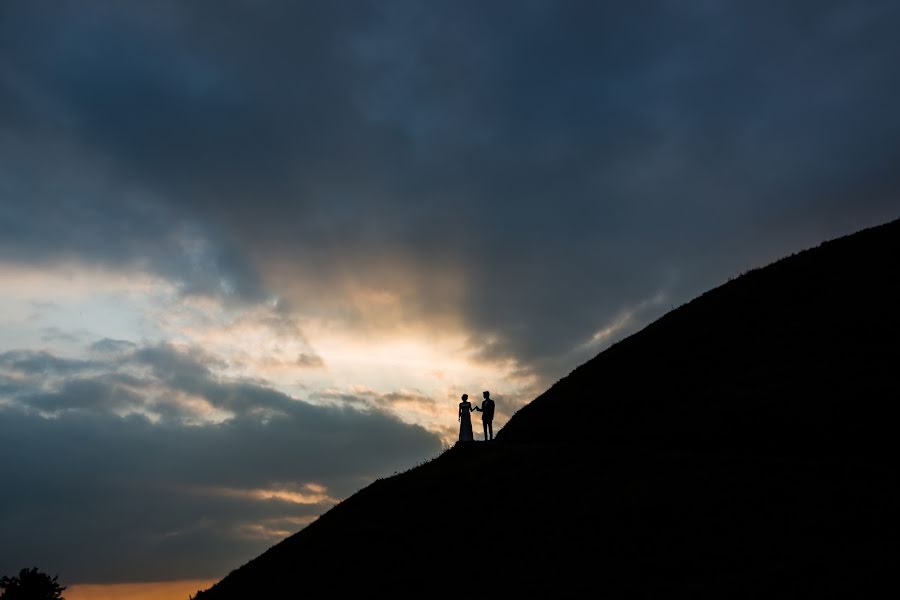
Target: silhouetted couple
{"type": "Point", "coordinates": [465, 417]}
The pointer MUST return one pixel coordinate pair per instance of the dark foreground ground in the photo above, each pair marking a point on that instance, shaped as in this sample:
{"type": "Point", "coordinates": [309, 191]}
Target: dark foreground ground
{"type": "Point", "coordinates": [526, 519]}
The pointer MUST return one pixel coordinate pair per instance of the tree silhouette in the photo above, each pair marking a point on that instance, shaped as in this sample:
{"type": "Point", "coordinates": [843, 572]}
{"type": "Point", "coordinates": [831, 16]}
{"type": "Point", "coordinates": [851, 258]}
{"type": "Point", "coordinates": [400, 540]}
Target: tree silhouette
{"type": "Point", "coordinates": [31, 584]}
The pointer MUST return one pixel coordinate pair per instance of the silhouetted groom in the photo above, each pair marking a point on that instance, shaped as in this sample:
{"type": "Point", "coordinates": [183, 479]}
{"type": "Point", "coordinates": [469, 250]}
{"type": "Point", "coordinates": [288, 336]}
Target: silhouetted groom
{"type": "Point", "coordinates": [487, 415]}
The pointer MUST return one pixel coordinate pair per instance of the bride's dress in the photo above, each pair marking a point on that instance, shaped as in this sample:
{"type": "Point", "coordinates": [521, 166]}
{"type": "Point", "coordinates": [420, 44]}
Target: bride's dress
{"type": "Point", "coordinates": [465, 422]}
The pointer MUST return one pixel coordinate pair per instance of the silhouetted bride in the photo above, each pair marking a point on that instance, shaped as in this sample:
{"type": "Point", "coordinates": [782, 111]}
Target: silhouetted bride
{"type": "Point", "coordinates": [465, 420]}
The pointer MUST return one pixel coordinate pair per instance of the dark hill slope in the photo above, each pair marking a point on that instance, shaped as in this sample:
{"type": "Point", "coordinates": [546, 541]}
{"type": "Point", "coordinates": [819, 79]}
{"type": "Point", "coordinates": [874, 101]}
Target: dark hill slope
{"type": "Point", "coordinates": [798, 358]}
{"type": "Point", "coordinates": [741, 446]}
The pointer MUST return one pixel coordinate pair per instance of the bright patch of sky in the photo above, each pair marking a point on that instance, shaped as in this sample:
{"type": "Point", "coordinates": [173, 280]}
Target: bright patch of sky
{"type": "Point", "coordinates": [416, 374]}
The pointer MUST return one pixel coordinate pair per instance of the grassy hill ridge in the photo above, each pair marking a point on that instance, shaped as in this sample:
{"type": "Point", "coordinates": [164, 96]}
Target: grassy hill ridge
{"type": "Point", "coordinates": [743, 444]}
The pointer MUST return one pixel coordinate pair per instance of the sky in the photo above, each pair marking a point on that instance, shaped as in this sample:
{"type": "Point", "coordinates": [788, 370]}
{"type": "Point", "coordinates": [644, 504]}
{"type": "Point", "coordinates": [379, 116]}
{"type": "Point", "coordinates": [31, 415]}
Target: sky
{"type": "Point", "coordinates": [253, 251]}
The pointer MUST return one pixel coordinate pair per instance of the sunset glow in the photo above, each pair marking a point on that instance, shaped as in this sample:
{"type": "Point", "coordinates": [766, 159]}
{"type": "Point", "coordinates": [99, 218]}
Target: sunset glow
{"type": "Point", "coordinates": [162, 590]}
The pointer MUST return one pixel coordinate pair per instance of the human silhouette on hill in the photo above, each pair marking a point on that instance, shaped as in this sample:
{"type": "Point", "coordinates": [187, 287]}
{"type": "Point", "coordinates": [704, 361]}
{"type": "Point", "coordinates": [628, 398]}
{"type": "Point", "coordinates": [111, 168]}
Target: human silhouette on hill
{"type": "Point", "coordinates": [465, 420]}
{"type": "Point", "coordinates": [487, 415]}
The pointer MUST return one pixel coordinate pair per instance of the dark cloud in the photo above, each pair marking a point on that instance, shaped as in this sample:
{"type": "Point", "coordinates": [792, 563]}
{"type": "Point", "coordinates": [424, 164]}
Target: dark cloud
{"type": "Point", "coordinates": [98, 394]}
{"type": "Point", "coordinates": [563, 161]}
{"type": "Point", "coordinates": [41, 363]}
{"type": "Point", "coordinates": [312, 361]}
{"type": "Point", "coordinates": [174, 498]}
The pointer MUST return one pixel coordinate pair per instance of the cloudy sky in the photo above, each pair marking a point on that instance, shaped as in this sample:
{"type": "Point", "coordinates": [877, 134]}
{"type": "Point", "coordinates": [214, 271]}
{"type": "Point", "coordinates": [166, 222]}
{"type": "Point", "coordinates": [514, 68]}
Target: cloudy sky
{"type": "Point", "coordinates": [251, 252]}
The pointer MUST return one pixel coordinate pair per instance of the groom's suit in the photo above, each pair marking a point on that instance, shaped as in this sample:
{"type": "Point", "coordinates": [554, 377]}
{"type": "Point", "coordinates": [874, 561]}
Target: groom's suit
{"type": "Point", "coordinates": [487, 417]}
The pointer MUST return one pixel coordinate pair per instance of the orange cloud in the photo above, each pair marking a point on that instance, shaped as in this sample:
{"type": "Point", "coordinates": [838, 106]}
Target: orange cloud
{"type": "Point", "coordinates": [308, 493]}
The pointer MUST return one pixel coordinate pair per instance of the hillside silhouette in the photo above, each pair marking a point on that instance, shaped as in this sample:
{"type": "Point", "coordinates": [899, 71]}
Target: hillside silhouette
{"type": "Point", "coordinates": [743, 445]}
